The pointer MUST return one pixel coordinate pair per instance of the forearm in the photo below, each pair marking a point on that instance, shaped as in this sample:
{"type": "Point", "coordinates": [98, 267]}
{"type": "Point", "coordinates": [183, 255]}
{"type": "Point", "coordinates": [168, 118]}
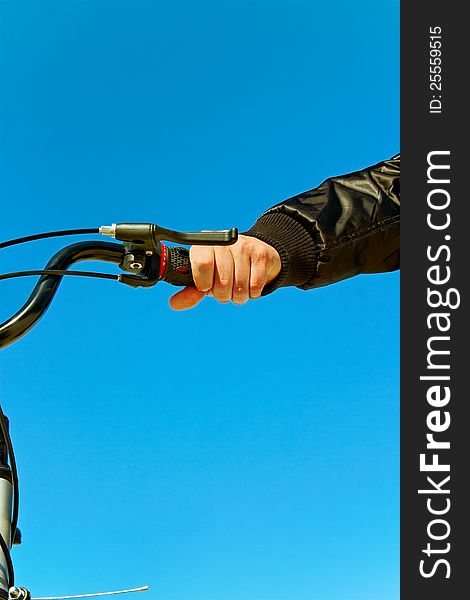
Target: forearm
{"type": "Point", "coordinates": [346, 226]}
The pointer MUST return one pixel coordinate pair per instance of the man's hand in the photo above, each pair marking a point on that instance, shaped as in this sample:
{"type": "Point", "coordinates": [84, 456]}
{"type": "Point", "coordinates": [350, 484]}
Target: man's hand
{"type": "Point", "coordinates": [237, 272]}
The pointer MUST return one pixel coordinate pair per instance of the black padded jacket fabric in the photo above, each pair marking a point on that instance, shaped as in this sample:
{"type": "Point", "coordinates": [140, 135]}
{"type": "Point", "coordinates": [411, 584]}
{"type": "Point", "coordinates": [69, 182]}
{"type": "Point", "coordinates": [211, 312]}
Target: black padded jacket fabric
{"type": "Point", "coordinates": [349, 225]}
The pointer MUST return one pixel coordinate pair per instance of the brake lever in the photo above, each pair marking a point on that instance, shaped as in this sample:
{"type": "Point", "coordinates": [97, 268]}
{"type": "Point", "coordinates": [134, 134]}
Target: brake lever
{"type": "Point", "coordinates": [151, 235]}
{"type": "Point", "coordinates": [150, 261]}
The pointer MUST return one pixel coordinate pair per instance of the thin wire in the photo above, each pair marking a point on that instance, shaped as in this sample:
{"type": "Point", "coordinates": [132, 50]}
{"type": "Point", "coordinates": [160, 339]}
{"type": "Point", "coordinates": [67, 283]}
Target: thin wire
{"type": "Point", "coordinates": [41, 236]}
{"type": "Point", "coordinates": [56, 272]}
{"type": "Point", "coordinates": [144, 588]}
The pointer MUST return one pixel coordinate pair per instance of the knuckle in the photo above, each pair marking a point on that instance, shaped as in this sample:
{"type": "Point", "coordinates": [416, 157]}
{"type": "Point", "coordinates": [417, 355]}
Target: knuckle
{"type": "Point", "coordinates": [244, 247]}
{"type": "Point", "coordinates": [260, 255]}
{"type": "Point", "coordinates": [240, 287]}
{"type": "Point", "coordinates": [204, 265]}
{"type": "Point", "coordinates": [223, 282]}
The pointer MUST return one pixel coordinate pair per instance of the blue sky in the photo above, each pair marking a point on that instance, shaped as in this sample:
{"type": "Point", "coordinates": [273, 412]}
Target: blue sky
{"type": "Point", "coordinates": [229, 452]}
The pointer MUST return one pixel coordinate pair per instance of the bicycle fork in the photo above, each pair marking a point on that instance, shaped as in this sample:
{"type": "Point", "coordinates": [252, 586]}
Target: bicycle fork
{"type": "Point", "coordinates": [6, 499]}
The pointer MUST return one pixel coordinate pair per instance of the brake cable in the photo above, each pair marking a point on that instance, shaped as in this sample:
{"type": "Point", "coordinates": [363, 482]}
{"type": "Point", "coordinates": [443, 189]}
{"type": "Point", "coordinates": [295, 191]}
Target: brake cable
{"type": "Point", "coordinates": [49, 234]}
{"type": "Point", "coordinates": [56, 272]}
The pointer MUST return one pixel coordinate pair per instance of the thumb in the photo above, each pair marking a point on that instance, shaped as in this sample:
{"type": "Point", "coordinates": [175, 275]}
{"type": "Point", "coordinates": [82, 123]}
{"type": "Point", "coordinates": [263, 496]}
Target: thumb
{"type": "Point", "coordinates": [186, 298]}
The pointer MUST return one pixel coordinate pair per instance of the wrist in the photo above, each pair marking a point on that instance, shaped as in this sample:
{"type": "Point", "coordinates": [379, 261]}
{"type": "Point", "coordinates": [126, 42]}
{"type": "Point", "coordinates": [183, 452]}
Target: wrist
{"type": "Point", "coordinates": [294, 246]}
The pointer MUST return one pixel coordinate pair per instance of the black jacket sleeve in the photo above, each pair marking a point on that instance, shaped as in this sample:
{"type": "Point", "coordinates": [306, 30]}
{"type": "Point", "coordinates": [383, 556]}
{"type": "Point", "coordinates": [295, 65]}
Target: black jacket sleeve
{"type": "Point", "coordinates": [346, 226]}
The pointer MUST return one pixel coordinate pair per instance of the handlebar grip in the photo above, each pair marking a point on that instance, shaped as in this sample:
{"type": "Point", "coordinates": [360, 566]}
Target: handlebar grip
{"type": "Point", "coordinates": [176, 266]}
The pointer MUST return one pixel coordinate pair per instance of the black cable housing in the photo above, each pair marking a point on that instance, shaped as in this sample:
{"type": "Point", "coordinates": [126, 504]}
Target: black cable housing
{"type": "Point", "coordinates": [4, 276]}
{"type": "Point", "coordinates": [49, 234]}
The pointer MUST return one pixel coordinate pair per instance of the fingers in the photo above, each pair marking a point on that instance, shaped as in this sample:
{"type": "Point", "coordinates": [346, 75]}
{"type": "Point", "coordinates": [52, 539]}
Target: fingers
{"type": "Point", "coordinates": [202, 265]}
{"type": "Point", "coordinates": [237, 272]}
{"type": "Point", "coordinates": [222, 288]}
{"type": "Point", "coordinates": [186, 298]}
{"type": "Point", "coordinates": [258, 278]}
{"type": "Point", "coordinates": [241, 279]}
{"type": "Point", "coordinates": [213, 270]}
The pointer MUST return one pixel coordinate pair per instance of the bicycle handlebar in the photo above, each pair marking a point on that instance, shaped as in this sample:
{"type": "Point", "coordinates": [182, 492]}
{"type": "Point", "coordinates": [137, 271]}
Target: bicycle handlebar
{"type": "Point", "coordinates": [142, 254]}
{"type": "Point", "coordinates": [46, 288]}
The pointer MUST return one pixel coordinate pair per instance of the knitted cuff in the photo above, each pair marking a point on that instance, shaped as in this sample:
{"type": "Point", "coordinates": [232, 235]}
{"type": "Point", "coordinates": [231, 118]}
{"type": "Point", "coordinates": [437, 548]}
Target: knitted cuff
{"type": "Point", "coordinates": [294, 244]}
